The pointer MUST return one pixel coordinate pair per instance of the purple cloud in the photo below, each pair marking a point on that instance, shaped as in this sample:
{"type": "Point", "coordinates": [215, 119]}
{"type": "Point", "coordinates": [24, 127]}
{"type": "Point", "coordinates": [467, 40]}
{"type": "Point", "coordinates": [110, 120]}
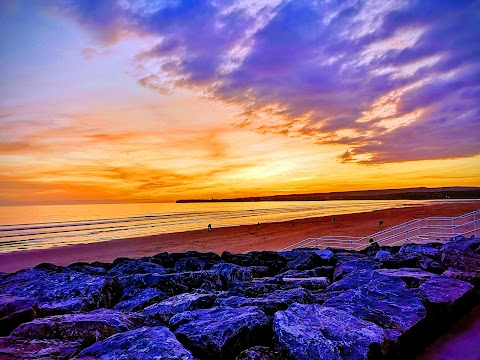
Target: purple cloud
{"type": "Point", "coordinates": [390, 81]}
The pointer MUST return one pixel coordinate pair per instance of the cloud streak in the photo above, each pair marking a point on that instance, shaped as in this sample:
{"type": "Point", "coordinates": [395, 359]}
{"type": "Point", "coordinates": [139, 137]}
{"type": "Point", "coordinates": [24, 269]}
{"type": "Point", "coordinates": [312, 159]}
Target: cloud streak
{"type": "Point", "coordinates": [389, 81]}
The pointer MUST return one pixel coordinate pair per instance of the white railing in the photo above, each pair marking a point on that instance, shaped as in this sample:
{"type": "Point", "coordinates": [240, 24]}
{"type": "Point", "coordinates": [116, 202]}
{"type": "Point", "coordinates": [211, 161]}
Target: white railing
{"type": "Point", "coordinates": [418, 230]}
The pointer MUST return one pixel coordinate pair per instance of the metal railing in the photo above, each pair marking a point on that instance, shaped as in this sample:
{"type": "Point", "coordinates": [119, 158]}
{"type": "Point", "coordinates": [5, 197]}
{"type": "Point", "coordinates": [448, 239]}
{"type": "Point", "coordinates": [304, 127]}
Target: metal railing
{"type": "Point", "coordinates": [418, 230]}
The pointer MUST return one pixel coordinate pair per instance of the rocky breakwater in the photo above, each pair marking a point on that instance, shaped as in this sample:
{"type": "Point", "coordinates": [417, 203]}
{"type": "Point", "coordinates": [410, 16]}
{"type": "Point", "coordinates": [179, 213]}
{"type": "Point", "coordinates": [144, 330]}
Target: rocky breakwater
{"type": "Point", "coordinates": [379, 303]}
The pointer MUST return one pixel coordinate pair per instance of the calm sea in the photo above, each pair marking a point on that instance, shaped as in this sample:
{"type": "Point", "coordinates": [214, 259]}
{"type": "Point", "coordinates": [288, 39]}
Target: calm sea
{"type": "Point", "coordinates": [37, 227]}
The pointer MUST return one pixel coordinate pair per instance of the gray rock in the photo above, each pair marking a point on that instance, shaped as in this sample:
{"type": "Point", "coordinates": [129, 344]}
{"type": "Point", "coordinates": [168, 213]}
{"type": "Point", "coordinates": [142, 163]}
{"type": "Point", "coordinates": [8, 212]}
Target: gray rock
{"type": "Point", "coordinates": [15, 311]}
{"type": "Point", "coordinates": [421, 249]}
{"type": "Point", "coordinates": [61, 290]}
{"type": "Point", "coordinates": [142, 344]}
{"type": "Point", "coordinates": [221, 332]}
{"type": "Point", "coordinates": [19, 348]}
{"type": "Point", "coordinates": [231, 272]}
{"type": "Point", "coordinates": [318, 332]}
{"type": "Point", "coordinates": [141, 300]}
{"type": "Point", "coordinates": [304, 259]}
{"type": "Point", "coordinates": [87, 328]}
{"type": "Point", "coordinates": [167, 308]}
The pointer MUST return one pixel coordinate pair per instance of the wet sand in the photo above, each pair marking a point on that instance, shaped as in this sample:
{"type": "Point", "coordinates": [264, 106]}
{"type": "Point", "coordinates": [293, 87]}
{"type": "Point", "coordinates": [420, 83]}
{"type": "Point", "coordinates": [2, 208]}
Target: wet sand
{"type": "Point", "coordinates": [270, 236]}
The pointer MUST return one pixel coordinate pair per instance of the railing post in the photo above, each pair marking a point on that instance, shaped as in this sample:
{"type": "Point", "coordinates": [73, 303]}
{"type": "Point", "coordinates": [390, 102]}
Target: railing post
{"type": "Point", "coordinates": [441, 229]}
{"type": "Point", "coordinates": [475, 223]}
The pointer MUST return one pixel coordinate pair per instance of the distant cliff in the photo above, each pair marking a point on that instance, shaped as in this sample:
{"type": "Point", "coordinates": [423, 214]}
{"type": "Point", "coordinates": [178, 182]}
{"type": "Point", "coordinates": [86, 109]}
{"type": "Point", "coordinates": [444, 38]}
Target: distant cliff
{"type": "Point", "coordinates": [420, 193]}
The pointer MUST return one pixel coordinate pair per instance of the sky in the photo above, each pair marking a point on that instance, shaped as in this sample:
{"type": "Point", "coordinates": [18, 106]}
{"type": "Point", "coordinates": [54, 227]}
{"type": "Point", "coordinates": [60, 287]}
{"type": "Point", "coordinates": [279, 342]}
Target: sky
{"type": "Point", "coordinates": [132, 101]}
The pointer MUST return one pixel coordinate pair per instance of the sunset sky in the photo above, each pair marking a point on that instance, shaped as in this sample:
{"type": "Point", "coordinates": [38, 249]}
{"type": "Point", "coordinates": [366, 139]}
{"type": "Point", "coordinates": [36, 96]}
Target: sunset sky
{"type": "Point", "coordinates": [125, 100]}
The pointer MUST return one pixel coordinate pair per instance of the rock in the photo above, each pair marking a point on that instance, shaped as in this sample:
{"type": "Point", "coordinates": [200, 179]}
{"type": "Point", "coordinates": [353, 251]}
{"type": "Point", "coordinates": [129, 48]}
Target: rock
{"type": "Point", "coordinates": [321, 271]}
{"type": "Point", "coordinates": [348, 267]}
{"type": "Point", "coordinates": [326, 255]}
{"type": "Point", "coordinates": [429, 250]}
{"type": "Point", "coordinates": [143, 343]}
{"type": "Point", "coordinates": [257, 288]}
{"type": "Point", "coordinates": [463, 245]}
{"type": "Point", "coordinates": [141, 300]}
{"type": "Point", "coordinates": [88, 268]}
{"type": "Point", "coordinates": [125, 267]}
{"type": "Point", "coordinates": [383, 255]}
{"type": "Point", "coordinates": [61, 290]}
{"type": "Point", "coordinates": [221, 332]}
{"type": "Point", "coordinates": [443, 290]}
{"type": "Point", "coordinates": [278, 300]}
{"type": "Point", "coordinates": [383, 300]}
{"type": "Point", "coordinates": [412, 277]}
{"type": "Point", "coordinates": [195, 261]}
{"type": "Point", "coordinates": [15, 311]}
{"type": "Point", "coordinates": [313, 283]}
{"type": "Point", "coordinates": [270, 259]}
{"type": "Point", "coordinates": [303, 259]}
{"type": "Point", "coordinates": [18, 348]}
{"type": "Point", "coordinates": [371, 249]}
{"type": "Point", "coordinates": [258, 353]}
{"type": "Point", "coordinates": [174, 284]}
{"type": "Point", "coordinates": [87, 328]}
{"type": "Point", "coordinates": [231, 272]}
{"type": "Point", "coordinates": [167, 308]}
{"type": "Point", "coordinates": [319, 332]}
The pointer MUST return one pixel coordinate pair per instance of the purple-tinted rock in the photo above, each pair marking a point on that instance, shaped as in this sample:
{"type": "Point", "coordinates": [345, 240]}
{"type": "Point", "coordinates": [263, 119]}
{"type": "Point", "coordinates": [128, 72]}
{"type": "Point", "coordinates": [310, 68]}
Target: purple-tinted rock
{"type": "Point", "coordinates": [314, 283]}
{"type": "Point", "coordinates": [316, 332]}
{"type": "Point", "coordinates": [87, 328]}
{"type": "Point", "coordinates": [321, 271]}
{"type": "Point", "coordinates": [463, 245]}
{"type": "Point", "coordinates": [429, 250]}
{"type": "Point", "coordinates": [135, 266]}
{"type": "Point", "coordinates": [348, 267]}
{"type": "Point", "coordinates": [142, 344]}
{"type": "Point", "coordinates": [303, 259]}
{"type": "Point", "coordinates": [61, 290]}
{"type": "Point", "coordinates": [259, 353]}
{"type": "Point", "coordinates": [19, 348]}
{"type": "Point", "coordinates": [383, 300]}
{"type": "Point", "coordinates": [270, 259]}
{"type": "Point", "coordinates": [221, 332]}
{"type": "Point", "coordinates": [15, 311]}
{"type": "Point", "coordinates": [270, 304]}
{"type": "Point", "coordinates": [174, 284]}
{"type": "Point", "coordinates": [141, 300]}
{"type": "Point", "coordinates": [231, 272]}
{"type": "Point", "coordinates": [411, 276]}
{"type": "Point", "coordinates": [383, 255]}
{"type": "Point", "coordinates": [443, 290]}
{"type": "Point", "coordinates": [167, 308]}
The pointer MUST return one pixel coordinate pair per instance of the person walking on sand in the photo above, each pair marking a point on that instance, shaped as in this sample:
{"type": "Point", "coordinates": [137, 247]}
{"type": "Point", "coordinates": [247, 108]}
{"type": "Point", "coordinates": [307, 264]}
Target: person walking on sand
{"type": "Point", "coordinates": [209, 227]}
{"type": "Point", "coordinates": [380, 224]}
{"type": "Point", "coordinates": [334, 219]}
{"type": "Point", "coordinates": [258, 225]}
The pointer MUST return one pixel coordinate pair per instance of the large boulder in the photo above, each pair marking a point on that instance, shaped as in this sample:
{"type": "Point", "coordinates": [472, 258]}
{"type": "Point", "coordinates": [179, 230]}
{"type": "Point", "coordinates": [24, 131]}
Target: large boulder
{"type": "Point", "coordinates": [27, 349]}
{"type": "Point", "coordinates": [87, 328]}
{"type": "Point", "coordinates": [221, 332]}
{"type": "Point", "coordinates": [430, 250]}
{"type": "Point", "coordinates": [123, 267]}
{"type": "Point", "coordinates": [140, 300]}
{"type": "Point", "coordinates": [15, 311]}
{"type": "Point", "coordinates": [174, 284]}
{"type": "Point", "coordinates": [313, 283]}
{"type": "Point", "coordinates": [305, 259]}
{"type": "Point", "coordinates": [318, 332]}
{"type": "Point", "coordinates": [195, 261]}
{"type": "Point", "coordinates": [167, 308]}
{"type": "Point", "coordinates": [383, 300]}
{"type": "Point", "coordinates": [259, 353]}
{"type": "Point", "coordinates": [411, 276]}
{"type": "Point", "coordinates": [347, 267]}
{"type": "Point", "coordinates": [270, 259]}
{"type": "Point", "coordinates": [271, 303]}
{"type": "Point", "coordinates": [232, 272]}
{"type": "Point", "coordinates": [61, 290]}
{"type": "Point", "coordinates": [443, 290]}
{"type": "Point", "coordinates": [143, 343]}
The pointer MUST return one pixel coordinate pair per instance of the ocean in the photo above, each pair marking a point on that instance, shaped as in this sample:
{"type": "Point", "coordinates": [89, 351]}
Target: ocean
{"type": "Point", "coordinates": [38, 227]}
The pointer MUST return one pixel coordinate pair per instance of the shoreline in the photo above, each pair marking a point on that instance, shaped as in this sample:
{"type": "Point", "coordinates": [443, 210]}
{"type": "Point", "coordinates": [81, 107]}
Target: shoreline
{"type": "Point", "coordinates": [270, 236]}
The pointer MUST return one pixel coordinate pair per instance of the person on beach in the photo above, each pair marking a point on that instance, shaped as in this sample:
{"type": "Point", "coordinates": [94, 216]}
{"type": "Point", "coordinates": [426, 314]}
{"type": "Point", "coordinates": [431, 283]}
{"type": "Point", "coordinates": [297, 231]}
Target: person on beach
{"type": "Point", "coordinates": [334, 219]}
{"type": "Point", "coordinates": [209, 227]}
{"type": "Point", "coordinates": [258, 225]}
{"type": "Point", "coordinates": [380, 224]}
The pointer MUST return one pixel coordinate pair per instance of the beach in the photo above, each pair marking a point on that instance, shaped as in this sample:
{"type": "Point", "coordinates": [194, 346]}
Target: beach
{"type": "Point", "coordinates": [269, 236]}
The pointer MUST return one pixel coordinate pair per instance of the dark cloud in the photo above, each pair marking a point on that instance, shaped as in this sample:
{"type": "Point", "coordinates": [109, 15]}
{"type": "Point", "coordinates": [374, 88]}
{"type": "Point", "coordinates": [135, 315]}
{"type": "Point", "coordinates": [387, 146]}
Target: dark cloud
{"type": "Point", "coordinates": [402, 78]}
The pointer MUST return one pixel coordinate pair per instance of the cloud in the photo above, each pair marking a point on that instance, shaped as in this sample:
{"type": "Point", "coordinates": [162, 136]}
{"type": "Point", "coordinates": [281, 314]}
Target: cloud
{"type": "Point", "coordinates": [390, 81]}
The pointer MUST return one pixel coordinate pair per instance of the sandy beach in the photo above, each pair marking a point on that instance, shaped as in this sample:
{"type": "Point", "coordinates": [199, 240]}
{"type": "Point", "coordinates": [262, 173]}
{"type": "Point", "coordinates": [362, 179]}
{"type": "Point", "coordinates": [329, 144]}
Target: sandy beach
{"type": "Point", "coordinates": [270, 236]}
